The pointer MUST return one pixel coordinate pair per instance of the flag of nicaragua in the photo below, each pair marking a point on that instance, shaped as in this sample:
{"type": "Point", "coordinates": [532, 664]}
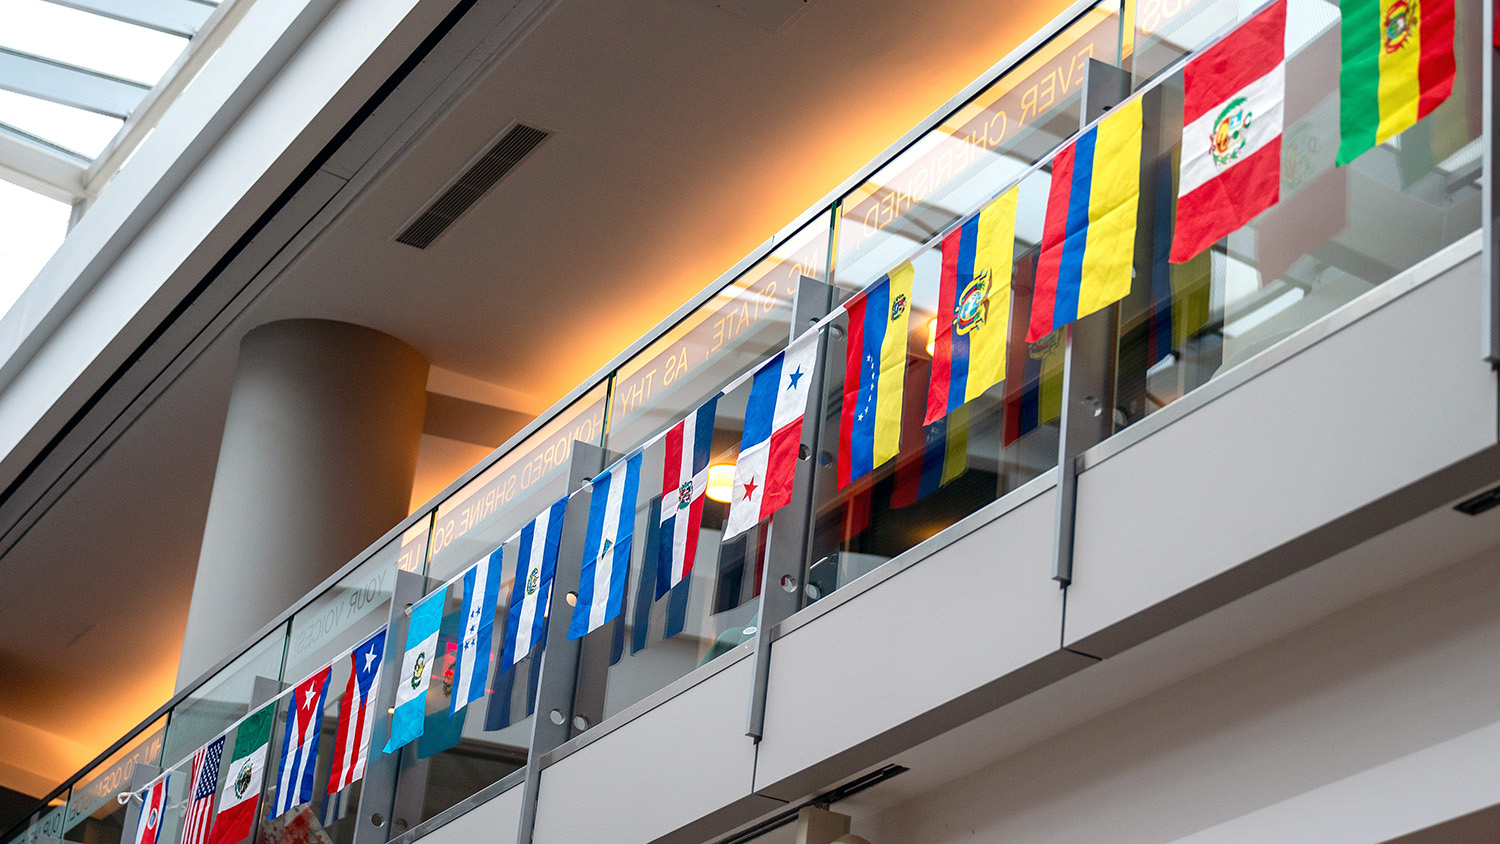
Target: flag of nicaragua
{"type": "Point", "coordinates": [536, 563]}
{"type": "Point", "coordinates": [773, 432]}
{"type": "Point", "coordinates": [351, 746]}
{"type": "Point", "coordinates": [153, 806]}
{"type": "Point", "coordinates": [299, 743]}
{"type": "Point", "coordinates": [481, 595]}
{"type": "Point", "coordinates": [416, 669]}
{"type": "Point", "coordinates": [606, 547]}
{"type": "Point", "coordinates": [684, 480]}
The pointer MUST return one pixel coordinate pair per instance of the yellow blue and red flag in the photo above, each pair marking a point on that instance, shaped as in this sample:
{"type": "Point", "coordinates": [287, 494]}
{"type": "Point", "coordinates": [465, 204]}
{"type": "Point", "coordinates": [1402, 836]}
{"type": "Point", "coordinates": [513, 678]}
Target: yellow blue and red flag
{"type": "Point", "coordinates": [874, 374]}
{"type": "Point", "coordinates": [1088, 237]}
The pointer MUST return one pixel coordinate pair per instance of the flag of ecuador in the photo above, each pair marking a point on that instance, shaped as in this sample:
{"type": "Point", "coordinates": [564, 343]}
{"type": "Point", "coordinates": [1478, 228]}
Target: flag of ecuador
{"type": "Point", "coordinates": [1397, 67]}
{"type": "Point", "coordinates": [874, 372]}
{"type": "Point", "coordinates": [1088, 236]}
{"type": "Point", "coordinates": [973, 319]}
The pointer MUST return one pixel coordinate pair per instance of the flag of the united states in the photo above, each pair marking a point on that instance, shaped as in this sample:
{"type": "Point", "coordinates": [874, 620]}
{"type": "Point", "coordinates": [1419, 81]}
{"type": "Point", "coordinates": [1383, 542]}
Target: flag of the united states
{"type": "Point", "coordinates": [200, 810]}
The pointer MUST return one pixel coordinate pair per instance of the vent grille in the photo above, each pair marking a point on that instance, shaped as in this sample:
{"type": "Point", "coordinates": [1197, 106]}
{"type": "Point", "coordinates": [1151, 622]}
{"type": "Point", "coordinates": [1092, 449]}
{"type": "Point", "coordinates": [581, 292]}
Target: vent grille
{"type": "Point", "coordinates": [475, 182]}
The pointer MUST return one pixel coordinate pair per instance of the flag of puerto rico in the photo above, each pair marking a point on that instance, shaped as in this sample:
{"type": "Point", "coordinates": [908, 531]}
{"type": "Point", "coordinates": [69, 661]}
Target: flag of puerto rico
{"type": "Point", "coordinates": [351, 745]}
{"type": "Point", "coordinates": [684, 480]}
{"type": "Point", "coordinates": [1231, 133]}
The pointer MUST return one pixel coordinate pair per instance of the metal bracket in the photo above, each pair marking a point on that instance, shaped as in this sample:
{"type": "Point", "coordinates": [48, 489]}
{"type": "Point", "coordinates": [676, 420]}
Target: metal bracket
{"type": "Point", "coordinates": [377, 795]}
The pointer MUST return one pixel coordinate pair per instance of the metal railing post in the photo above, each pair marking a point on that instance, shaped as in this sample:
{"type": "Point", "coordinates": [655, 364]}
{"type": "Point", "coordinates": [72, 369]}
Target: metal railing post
{"type": "Point", "coordinates": [377, 793]}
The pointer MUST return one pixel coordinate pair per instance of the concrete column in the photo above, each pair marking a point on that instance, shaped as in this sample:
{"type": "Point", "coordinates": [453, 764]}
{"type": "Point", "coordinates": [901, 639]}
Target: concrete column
{"type": "Point", "coordinates": [319, 452]}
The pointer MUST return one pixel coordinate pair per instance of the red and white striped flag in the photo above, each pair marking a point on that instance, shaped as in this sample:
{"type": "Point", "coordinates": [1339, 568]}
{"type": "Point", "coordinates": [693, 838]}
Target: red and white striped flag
{"type": "Point", "coordinates": [351, 746]}
{"type": "Point", "coordinates": [153, 807]}
{"type": "Point", "coordinates": [1232, 102]}
{"type": "Point", "coordinates": [204, 785]}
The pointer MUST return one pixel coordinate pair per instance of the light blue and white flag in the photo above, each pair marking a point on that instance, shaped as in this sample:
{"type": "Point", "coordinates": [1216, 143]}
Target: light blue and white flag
{"type": "Point", "coordinates": [416, 669]}
{"type": "Point", "coordinates": [606, 549]}
{"type": "Point", "coordinates": [536, 563]}
{"type": "Point", "coordinates": [481, 596]}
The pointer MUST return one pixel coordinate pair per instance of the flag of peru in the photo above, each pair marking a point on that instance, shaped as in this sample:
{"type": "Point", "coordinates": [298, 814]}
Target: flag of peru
{"type": "Point", "coordinates": [531, 592]}
{"type": "Point", "coordinates": [606, 547]}
{"type": "Point", "coordinates": [767, 463]}
{"type": "Point", "coordinates": [481, 597]}
{"type": "Point", "coordinates": [1232, 101]}
{"type": "Point", "coordinates": [153, 805]}
{"type": "Point", "coordinates": [684, 479]}
{"type": "Point", "coordinates": [247, 770]}
{"type": "Point", "coordinates": [351, 745]}
{"type": "Point", "coordinates": [299, 743]}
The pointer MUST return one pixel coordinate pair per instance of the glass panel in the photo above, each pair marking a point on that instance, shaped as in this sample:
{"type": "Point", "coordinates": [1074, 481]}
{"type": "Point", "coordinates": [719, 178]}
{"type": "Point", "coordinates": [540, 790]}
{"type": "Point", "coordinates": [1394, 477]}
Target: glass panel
{"type": "Point", "coordinates": [71, 128]}
{"type": "Point", "coordinates": [33, 226]}
{"type": "Point", "coordinates": [734, 330]}
{"type": "Point", "coordinates": [50, 822]}
{"type": "Point", "coordinates": [94, 816]}
{"type": "Point", "coordinates": [344, 615]}
{"type": "Point", "coordinates": [87, 40]}
{"type": "Point", "coordinates": [226, 697]}
{"type": "Point", "coordinates": [973, 154]}
{"type": "Point", "coordinates": [1336, 232]}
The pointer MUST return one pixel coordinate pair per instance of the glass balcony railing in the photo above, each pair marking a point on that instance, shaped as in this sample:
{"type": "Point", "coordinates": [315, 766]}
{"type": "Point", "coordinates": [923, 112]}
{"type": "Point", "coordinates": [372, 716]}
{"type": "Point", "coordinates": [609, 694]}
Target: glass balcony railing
{"type": "Point", "coordinates": [1336, 233]}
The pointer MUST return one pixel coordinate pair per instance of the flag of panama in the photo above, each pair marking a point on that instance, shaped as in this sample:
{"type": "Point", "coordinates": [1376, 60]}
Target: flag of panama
{"type": "Point", "coordinates": [767, 464]}
{"type": "Point", "coordinates": [606, 546]}
{"type": "Point", "coordinates": [299, 743]}
{"type": "Point", "coordinates": [247, 769]}
{"type": "Point", "coordinates": [481, 596]}
{"type": "Point", "coordinates": [1232, 101]}
{"type": "Point", "coordinates": [684, 479]}
{"type": "Point", "coordinates": [416, 669]}
{"type": "Point", "coordinates": [153, 805]}
{"type": "Point", "coordinates": [531, 592]}
{"type": "Point", "coordinates": [351, 745]}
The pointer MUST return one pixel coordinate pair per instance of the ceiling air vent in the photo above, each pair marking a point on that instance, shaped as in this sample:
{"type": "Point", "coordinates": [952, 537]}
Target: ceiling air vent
{"type": "Point", "coordinates": [466, 190]}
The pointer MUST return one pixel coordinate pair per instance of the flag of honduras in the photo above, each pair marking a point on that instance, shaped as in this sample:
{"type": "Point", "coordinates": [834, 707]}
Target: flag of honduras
{"type": "Point", "coordinates": [773, 432]}
{"type": "Point", "coordinates": [481, 594]}
{"type": "Point", "coordinates": [606, 548]}
{"type": "Point", "coordinates": [536, 563]}
{"type": "Point", "coordinates": [416, 670]}
{"type": "Point", "coordinates": [299, 743]}
{"type": "Point", "coordinates": [684, 479]}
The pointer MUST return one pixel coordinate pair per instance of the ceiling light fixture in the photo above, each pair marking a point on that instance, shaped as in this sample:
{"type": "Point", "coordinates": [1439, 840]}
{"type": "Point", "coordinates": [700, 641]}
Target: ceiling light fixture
{"type": "Point", "coordinates": [720, 482]}
{"type": "Point", "coordinates": [931, 336]}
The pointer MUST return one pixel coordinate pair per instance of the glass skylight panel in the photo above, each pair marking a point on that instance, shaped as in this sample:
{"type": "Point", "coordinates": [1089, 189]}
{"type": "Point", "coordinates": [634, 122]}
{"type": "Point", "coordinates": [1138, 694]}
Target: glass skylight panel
{"type": "Point", "coordinates": [87, 40]}
{"type": "Point", "coordinates": [72, 129]}
{"type": "Point", "coordinates": [31, 228]}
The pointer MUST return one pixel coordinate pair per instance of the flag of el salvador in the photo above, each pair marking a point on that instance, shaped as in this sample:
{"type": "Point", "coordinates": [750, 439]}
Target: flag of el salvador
{"type": "Point", "coordinates": [536, 564]}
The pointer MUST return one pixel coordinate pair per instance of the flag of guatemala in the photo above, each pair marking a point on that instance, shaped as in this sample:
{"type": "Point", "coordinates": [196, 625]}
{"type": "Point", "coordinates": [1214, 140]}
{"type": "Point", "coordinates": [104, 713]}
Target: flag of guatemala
{"type": "Point", "coordinates": [606, 547]}
{"type": "Point", "coordinates": [481, 595]}
{"type": "Point", "coordinates": [536, 563]}
{"type": "Point", "coordinates": [416, 669]}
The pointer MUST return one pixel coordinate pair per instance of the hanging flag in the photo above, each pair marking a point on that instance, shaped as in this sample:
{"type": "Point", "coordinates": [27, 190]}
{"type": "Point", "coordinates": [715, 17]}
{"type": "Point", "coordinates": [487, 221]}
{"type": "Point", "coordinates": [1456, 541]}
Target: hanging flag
{"type": "Point", "coordinates": [153, 807]}
{"type": "Point", "coordinates": [684, 479]}
{"type": "Point", "coordinates": [240, 798]}
{"type": "Point", "coordinates": [204, 785]}
{"type": "Point", "coordinates": [874, 372]}
{"type": "Point", "coordinates": [606, 547]}
{"type": "Point", "coordinates": [481, 598]}
{"type": "Point", "coordinates": [416, 669]}
{"type": "Point", "coordinates": [944, 457]}
{"type": "Point", "coordinates": [1088, 236]}
{"type": "Point", "coordinates": [1398, 66]}
{"type": "Point", "coordinates": [973, 321]}
{"type": "Point", "coordinates": [299, 743]}
{"type": "Point", "coordinates": [1233, 98]}
{"type": "Point", "coordinates": [767, 463]}
{"type": "Point", "coordinates": [530, 593]}
{"type": "Point", "coordinates": [351, 744]}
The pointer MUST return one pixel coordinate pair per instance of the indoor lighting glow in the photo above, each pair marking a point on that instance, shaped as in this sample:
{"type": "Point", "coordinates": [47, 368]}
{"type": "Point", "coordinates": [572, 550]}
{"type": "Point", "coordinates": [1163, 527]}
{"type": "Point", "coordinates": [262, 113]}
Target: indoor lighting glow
{"type": "Point", "coordinates": [931, 336]}
{"type": "Point", "coordinates": [720, 482]}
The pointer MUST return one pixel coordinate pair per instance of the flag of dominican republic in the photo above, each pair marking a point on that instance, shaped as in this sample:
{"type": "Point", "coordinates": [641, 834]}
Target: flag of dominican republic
{"type": "Point", "coordinates": [1233, 96]}
{"type": "Point", "coordinates": [1088, 235]}
{"type": "Point", "coordinates": [153, 807]}
{"type": "Point", "coordinates": [684, 479]}
{"type": "Point", "coordinates": [874, 375]}
{"type": "Point", "coordinates": [351, 744]}
{"type": "Point", "coordinates": [299, 743]}
{"type": "Point", "coordinates": [767, 464]}
{"type": "Point", "coordinates": [606, 547]}
{"type": "Point", "coordinates": [531, 592]}
{"type": "Point", "coordinates": [204, 785]}
{"type": "Point", "coordinates": [481, 597]}
{"type": "Point", "coordinates": [973, 320]}
{"type": "Point", "coordinates": [416, 669]}
{"type": "Point", "coordinates": [247, 770]}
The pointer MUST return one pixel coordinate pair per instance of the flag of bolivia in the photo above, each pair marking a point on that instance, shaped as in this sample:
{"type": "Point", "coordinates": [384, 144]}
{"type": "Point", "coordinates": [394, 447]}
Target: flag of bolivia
{"type": "Point", "coordinates": [1397, 67]}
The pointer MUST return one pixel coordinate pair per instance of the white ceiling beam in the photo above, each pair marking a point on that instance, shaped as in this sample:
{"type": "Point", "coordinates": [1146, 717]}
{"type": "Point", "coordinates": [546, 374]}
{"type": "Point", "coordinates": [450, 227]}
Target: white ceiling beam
{"type": "Point", "coordinates": [37, 165]}
{"type": "Point", "coordinates": [45, 79]}
{"type": "Point", "coordinates": [174, 17]}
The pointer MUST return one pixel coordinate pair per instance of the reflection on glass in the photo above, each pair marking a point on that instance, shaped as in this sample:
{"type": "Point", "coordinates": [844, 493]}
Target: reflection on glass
{"type": "Point", "coordinates": [253, 677]}
{"type": "Point", "coordinates": [93, 813]}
